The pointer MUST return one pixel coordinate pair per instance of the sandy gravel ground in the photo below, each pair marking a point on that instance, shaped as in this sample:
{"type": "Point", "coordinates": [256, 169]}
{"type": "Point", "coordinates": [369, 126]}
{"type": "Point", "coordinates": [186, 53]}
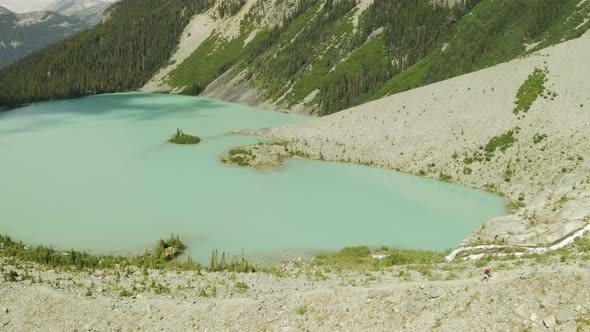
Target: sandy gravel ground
{"type": "Point", "coordinates": [299, 297]}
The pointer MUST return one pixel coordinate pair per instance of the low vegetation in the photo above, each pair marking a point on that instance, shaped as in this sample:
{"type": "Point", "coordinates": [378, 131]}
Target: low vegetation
{"type": "Point", "coordinates": [530, 90]}
{"type": "Point", "coordinates": [240, 156]}
{"type": "Point", "coordinates": [501, 142]}
{"type": "Point", "coordinates": [179, 137]}
{"type": "Point", "coordinates": [165, 255]}
{"type": "Point", "coordinates": [361, 258]}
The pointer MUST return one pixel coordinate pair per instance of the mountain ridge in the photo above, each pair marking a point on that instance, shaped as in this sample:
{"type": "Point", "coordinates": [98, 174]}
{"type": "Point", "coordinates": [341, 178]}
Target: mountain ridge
{"type": "Point", "coordinates": [24, 33]}
{"type": "Point", "coordinates": [90, 11]}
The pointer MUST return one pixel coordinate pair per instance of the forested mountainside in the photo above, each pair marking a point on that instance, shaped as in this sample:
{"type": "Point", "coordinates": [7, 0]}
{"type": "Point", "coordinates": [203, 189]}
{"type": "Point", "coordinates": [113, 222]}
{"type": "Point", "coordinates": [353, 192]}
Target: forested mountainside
{"type": "Point", "coordinates": [22, 34]}
{"type": "Point", "coordinates": [118, 55]}
{"type": "Point", "coordinates": [319, 55]}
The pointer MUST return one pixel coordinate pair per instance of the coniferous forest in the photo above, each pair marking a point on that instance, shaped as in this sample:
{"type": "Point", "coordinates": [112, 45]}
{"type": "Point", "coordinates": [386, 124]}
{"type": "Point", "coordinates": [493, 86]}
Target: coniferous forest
{"type": "Point", "coordinates": [118, 55]}
{"type": "Point", "coordinates": [317, 52]}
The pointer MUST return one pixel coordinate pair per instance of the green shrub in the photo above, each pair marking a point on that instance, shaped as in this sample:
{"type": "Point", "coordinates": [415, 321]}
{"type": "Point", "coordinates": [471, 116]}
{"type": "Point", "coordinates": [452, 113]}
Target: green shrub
{"type": "Point", "coordinates": [501, 142]}
{"type": "Point", "coordinates": [301, 310]}
{"type": "Point", "coordinates": [10, 276]}
{"type": "Point", "coordinates": [181, 138]}
{"type": "Point", "coordinates": [242, 287]}
{"type": "Point", "coordinates": [538, 138]}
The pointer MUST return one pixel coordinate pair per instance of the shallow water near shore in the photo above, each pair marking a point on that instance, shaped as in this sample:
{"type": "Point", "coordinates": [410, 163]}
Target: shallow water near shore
{"type": "Point", "coordinates": [97, 174]}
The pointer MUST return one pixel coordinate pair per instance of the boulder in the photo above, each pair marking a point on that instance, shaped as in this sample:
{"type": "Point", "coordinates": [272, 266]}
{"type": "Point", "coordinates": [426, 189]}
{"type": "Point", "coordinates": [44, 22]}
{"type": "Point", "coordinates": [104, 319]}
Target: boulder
{"type": "Point", "coordinates": [564, 315]}
{"type": "Point", "coordinates": [377, 293]}
{"type": "Point", "coordinates": [434, 292]}
{"type": "Point", "coordinates": [5, 310]}
{"type": "Point", "coordinates": [549, 321]}
{"type": "Point", "coordinates": [414, 308]}
{"type": "Point", "coordinates": [527, 274]}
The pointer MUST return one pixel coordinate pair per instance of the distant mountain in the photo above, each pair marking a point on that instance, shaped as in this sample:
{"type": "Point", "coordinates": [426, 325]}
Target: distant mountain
{"type": "Point", "coordinates": [22, 34]}
{"type": "Point", "coordinates": [4, 11]}
{"type": "Point", "coordinates": [90, 11]}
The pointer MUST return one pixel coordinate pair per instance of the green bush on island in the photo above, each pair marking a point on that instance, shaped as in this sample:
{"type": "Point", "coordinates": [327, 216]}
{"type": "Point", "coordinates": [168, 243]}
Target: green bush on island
{"type": "Point", "coordinates": [180, 137]}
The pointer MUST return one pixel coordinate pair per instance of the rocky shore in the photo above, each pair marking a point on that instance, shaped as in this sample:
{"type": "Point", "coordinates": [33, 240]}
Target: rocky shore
{"type": "Point", "coordinates": [549, 292]}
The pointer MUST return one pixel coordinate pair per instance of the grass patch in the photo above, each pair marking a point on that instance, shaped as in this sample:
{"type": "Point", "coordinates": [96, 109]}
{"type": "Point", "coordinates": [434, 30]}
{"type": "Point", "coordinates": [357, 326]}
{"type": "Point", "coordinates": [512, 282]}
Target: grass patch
{"type": "Point", "coordinates": [359, 258]}
{"type": "Point", "coordinates": [515, 205]}
{"type": "Point", "coordinates": [530, 90]}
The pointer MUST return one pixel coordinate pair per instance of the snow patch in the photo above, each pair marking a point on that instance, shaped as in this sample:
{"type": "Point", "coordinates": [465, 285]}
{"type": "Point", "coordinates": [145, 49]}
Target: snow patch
{"type": "Point", "coordinates": [62, 25]}
{"type": "Point", "coordinates": [32, 18]}
{"type": "Point", "coordinates": [2, 44]}
{"type": "Point", "coordinates": [15, 43]}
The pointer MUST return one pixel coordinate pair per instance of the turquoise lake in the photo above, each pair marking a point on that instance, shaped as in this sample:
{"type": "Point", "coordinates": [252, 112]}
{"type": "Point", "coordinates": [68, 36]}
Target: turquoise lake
{"type": "Point", "coordinates": [97, 174]}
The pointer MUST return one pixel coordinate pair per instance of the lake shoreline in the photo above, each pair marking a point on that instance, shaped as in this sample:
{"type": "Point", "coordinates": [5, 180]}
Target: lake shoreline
{"type": "Point", "coordinates": [315, 296]}
{"type": "Point", "coordinates": [466, 131]}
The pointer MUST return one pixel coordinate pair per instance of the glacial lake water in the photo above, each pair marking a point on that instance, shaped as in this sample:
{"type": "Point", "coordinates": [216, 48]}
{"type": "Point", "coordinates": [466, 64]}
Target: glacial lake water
{"type": "Point", "coordinates": [97, 174]}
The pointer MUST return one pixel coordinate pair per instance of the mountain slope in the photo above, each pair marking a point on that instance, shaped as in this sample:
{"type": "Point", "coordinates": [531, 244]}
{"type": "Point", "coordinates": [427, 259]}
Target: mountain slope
{"type": "Point", "coordinates": [333, 55]}
{"type": "Point", "coordinates": [22, 34]}
{"type": "Point", "coordinates": [323, 56]}
{"type": "Point", "coordinates": [4, 10]}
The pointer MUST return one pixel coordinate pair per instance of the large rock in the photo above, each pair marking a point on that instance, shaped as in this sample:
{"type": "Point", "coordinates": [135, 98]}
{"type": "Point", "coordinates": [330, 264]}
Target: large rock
{"type": "Point", "coordinates": [549, 322]}
{"type": "Point", "coordinates": [414, 307]}
{"type": "Point", "coordinates": [527, 274]}
{"type": "Point", "coordinates": [564, 315]}
{"type": "Point", "coordinates": [377, 293]}
{"type": "Point", "coordinates": [434, 292]}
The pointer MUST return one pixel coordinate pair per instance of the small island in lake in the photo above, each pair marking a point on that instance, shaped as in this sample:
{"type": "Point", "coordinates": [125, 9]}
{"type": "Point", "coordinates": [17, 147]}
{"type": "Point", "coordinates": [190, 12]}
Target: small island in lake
{"type": "Point", "coordinates": [181, 138]}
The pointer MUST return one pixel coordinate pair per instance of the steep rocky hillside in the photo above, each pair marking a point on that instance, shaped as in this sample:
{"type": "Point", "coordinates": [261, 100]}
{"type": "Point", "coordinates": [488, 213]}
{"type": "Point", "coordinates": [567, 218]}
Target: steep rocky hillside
{"type": "Point", "coordinates": [321, 57]}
